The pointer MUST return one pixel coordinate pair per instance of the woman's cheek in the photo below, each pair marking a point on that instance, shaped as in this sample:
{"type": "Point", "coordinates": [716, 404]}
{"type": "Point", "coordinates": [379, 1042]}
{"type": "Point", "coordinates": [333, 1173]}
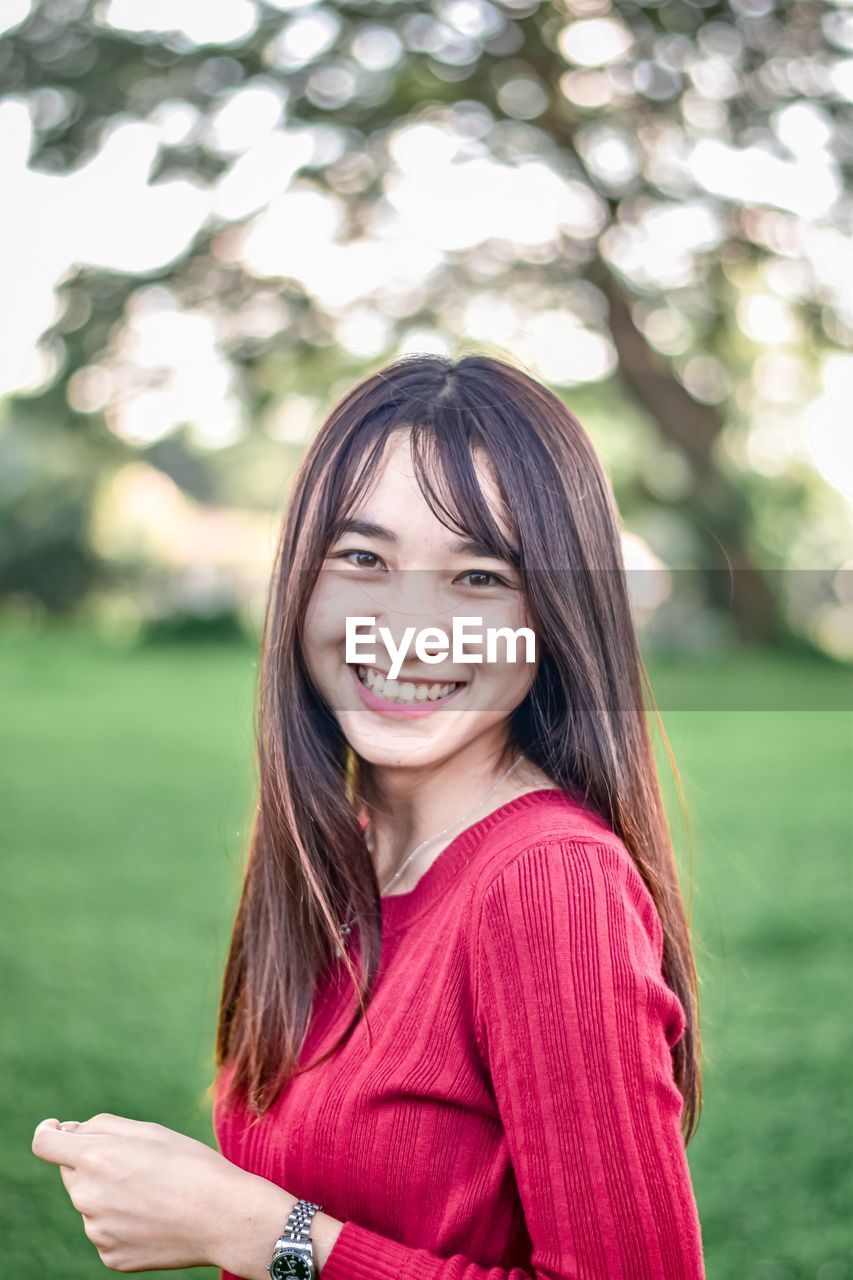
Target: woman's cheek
{"type": "Point", "coordinates": [323, 636]}
{"type": "Point", "coordinates": [512, 674]}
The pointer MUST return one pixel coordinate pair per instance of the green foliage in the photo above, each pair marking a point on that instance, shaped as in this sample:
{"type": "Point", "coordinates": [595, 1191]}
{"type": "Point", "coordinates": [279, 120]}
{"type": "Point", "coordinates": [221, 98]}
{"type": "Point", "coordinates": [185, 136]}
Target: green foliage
{"type": "Point", "coordinates": [45, 494]}
{"type": "Point", "coordinates": [192, 628]}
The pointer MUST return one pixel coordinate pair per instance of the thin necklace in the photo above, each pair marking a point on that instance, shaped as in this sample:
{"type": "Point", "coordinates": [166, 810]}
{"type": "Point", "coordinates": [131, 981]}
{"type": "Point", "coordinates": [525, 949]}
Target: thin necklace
{"type": "Point", "coordinates": [345, 929]}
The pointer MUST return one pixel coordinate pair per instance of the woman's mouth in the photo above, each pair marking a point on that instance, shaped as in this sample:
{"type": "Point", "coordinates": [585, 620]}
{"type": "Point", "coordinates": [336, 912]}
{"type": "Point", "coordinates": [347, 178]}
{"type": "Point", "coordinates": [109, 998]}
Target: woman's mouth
{"type": "Point", "coordinates": [406, 691]}
{"type": "Point", "coordinates": [402, 698]}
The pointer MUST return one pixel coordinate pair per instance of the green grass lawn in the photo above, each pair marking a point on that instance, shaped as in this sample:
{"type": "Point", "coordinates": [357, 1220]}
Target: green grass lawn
{"type": "Point", "coordinates": [126, 787]}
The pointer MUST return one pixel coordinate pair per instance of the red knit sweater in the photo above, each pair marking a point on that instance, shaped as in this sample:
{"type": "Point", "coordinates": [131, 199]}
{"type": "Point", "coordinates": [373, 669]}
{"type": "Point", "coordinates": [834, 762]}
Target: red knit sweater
{"type": "Point", "coordinates": [515, 1114]}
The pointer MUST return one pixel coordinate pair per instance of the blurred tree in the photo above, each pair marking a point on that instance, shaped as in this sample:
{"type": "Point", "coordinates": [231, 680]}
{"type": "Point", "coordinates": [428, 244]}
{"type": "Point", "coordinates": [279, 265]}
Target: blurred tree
{"type": "Point", "coordinates": [693, 153]}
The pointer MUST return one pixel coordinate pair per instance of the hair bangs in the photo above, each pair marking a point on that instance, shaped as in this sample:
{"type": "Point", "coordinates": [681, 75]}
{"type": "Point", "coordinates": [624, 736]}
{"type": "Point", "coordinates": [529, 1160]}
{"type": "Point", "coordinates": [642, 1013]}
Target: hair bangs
{"type": "Point", "coordinates": [445, 464]}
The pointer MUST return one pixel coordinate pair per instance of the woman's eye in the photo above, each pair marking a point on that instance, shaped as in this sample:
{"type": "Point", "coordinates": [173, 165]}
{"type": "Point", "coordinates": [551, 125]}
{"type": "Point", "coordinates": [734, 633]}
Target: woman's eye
{"type": "Point", "coordinates": [479, 574]}
{"type": "Point", "coordinates": [357, 558]}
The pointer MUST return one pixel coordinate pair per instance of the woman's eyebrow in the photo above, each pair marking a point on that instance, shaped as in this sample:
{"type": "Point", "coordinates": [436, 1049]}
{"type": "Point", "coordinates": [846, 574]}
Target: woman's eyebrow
{"type": "Point", "coordinates": [465, 546]}
{"type": "Point", "coordinates": [472, 547]}
{"type": "Point", "coordinates": [366, 529]}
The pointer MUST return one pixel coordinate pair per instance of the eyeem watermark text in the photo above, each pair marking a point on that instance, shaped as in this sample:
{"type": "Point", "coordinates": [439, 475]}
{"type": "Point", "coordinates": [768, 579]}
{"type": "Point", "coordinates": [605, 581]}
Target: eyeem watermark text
{"type": "Point", "coordinates": [432, 644]}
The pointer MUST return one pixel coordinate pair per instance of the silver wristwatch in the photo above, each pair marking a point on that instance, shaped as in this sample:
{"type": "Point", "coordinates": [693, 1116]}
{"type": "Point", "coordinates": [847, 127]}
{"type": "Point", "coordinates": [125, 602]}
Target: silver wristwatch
{"type": "Point", "coordinates": [293, 1255]}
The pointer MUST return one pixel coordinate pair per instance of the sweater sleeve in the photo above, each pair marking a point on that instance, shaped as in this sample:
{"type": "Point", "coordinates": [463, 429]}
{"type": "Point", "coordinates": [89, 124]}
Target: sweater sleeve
{"type": "Point", "coordinates": [576, 1025]}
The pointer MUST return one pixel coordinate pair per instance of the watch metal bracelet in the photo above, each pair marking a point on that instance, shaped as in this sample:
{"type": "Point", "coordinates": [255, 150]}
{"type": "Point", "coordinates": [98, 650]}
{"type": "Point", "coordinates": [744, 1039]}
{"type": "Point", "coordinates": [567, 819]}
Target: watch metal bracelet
{"type": "Point", "coordinates": [299, 1220]}
{"type": "Point", "coordinates": [295, 1244]}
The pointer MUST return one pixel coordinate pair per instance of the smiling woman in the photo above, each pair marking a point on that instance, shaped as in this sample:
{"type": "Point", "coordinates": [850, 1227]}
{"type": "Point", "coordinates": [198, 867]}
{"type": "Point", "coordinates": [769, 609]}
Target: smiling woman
{"type": "Point", "coordinates": [423, 583]}
{"type": "Point", "coordinates": [477, 851]}
{"type": "Point", "coordinates": [511, 1093]}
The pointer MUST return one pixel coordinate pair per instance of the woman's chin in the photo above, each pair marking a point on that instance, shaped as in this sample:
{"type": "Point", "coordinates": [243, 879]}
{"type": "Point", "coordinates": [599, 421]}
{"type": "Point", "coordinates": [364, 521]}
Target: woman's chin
{"type": "Point", "coordinates": [401, 745]}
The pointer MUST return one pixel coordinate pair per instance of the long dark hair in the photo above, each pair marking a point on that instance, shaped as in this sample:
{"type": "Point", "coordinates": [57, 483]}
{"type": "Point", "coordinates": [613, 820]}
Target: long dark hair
{"type": "Point", "coordinates": [583, 721]}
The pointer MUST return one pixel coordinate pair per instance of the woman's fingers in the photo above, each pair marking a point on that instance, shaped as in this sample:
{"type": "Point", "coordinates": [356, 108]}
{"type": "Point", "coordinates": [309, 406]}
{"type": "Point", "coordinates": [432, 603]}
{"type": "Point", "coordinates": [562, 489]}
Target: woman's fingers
{"type": "Point", "coordinates": [105, 1122]}
{"type": "Point", "coordinates": [55, 1143]}
{"type": "Point", "coordinates": [52, 1143]}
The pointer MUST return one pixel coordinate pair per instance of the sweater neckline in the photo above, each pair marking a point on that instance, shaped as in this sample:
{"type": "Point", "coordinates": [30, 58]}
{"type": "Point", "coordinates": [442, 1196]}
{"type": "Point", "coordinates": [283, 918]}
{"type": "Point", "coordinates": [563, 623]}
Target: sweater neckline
{"type": "Point", "coordinates": [400, 908]}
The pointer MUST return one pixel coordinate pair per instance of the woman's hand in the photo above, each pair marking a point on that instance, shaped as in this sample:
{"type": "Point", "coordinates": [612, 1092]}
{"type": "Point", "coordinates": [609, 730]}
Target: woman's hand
{"type": "Point", "coordinates": [151, 1199]}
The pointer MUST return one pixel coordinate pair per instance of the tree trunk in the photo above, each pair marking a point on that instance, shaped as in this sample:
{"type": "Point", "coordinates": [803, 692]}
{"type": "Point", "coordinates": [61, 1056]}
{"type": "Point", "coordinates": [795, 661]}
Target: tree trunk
{"type": "Point", "coordinates": [718, 509]}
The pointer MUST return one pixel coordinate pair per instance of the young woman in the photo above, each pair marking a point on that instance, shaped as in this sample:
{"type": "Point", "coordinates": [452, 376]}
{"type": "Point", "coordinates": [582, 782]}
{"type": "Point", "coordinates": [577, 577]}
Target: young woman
{"type": "Point", "coordinates": [458, 1034]}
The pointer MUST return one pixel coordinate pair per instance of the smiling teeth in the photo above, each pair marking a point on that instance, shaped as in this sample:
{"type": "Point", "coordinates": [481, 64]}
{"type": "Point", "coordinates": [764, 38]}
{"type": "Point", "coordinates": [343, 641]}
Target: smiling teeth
{"type": "Point", "coordinates": [403, 690]}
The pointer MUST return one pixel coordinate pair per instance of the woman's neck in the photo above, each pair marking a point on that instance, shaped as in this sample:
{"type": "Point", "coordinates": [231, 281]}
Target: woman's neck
{"type": "Point", "coordinates": [406, 805]}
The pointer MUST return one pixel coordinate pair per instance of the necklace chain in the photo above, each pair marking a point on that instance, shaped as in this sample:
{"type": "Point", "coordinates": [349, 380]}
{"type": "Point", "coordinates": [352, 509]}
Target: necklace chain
{"type": "Point", "coordinates": [444, 831]}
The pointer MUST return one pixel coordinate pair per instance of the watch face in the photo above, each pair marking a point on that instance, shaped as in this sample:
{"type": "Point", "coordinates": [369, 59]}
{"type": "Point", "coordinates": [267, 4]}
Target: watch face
{"type": "Point", "coordinates": [291, 1266]}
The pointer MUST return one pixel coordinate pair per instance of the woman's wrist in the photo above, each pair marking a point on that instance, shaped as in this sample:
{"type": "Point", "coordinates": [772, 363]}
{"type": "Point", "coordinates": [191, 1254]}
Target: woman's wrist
{"type": "Point", "coordinates": [251, 1219]}
{"type": "Point", "coordinates": [247, 1224]}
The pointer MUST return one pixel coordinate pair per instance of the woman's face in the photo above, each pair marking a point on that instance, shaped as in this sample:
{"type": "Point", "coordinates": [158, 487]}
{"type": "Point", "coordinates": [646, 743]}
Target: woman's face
{"type": "Point", "coordinates": [399, 565]}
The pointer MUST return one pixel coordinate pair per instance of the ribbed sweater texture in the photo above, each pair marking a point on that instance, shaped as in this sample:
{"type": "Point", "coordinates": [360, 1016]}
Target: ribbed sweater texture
{"type": "Point", "coordinates": [512, 1113]}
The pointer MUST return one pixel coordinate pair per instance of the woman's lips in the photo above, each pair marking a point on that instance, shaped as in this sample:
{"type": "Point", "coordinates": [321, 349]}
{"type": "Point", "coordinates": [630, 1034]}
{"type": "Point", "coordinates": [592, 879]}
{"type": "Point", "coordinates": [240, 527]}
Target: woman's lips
{"type": "Point", "coordinates": [399, 710]}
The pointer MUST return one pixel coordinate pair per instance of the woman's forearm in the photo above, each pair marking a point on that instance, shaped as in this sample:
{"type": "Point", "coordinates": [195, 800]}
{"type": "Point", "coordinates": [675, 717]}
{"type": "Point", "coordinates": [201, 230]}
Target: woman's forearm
{"type": "Point", "coordinates": [249, 1225]}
